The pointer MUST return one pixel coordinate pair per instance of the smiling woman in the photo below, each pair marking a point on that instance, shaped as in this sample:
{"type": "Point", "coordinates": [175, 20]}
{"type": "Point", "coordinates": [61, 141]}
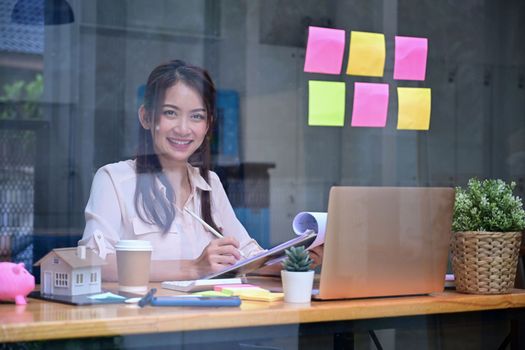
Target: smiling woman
{"type": "Point", "coordinates": [144, 198]}
{"type": "Point", "coordinates": [181, 127]}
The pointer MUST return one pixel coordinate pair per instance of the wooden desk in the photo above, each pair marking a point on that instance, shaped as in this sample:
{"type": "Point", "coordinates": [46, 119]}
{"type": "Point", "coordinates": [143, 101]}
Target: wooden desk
{"type": "Point", "coordinates": [41, 320]}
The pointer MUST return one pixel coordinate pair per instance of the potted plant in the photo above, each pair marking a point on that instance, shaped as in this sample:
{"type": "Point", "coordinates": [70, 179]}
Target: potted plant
{"type": "Point", "coordinates": [297, 276]}
{"type": "Point", "coordinates": [485, 245]}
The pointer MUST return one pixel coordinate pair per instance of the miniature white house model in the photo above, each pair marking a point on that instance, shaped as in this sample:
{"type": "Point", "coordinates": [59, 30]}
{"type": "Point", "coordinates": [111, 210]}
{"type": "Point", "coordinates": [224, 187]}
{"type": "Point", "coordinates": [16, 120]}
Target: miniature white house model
{"type": "Point", "coordinates": [70, 271]}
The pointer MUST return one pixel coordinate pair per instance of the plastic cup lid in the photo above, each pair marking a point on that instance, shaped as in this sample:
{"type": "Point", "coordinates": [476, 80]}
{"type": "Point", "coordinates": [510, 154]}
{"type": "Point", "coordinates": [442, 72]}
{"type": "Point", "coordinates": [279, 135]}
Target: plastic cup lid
{"type": "Point", "coordinates": [134, 245]}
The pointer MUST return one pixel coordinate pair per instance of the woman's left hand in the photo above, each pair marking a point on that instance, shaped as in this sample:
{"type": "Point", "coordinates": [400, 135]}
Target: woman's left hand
{"type": "Point", "coordinates": [317, 255]}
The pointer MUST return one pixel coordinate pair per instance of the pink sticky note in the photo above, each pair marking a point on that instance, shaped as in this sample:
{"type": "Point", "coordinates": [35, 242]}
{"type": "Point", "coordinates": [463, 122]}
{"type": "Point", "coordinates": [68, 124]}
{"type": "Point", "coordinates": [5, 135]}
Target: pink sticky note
{"type": "Point", "coordinates": [324, 50]}
{"type": "Point", "coordinates": [370, 105]}
{"type": "Point", "coordinates": [411, 58]}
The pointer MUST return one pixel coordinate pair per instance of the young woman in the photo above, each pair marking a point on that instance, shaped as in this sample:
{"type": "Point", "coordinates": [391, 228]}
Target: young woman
{"type": "Point", "coordinates": [145, 198]}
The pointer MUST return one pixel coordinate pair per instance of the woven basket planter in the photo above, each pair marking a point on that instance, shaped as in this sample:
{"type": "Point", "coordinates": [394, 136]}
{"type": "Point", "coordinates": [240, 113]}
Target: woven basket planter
{"type": "Point", "coordinates": [485, 262]}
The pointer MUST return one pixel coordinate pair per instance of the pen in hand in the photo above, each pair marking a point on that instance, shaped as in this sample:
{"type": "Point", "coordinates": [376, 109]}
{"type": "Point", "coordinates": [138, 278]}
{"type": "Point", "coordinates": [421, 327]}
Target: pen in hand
{"type": "Point", "coordinates": [212, 230]}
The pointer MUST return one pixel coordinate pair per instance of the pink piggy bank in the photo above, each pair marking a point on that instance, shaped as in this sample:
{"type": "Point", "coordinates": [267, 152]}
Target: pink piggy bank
{"type": "Point", "coordinates": [15, 282]}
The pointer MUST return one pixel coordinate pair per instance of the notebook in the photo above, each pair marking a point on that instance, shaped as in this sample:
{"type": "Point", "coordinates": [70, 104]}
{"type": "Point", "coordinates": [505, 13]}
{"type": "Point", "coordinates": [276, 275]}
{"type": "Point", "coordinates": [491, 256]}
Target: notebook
{"type": "Point", "coordinates": [385, 241]}
{"type": "Point", "coordinates": [199, 285]}
{"type": "Point", "coordinates": [263, 258]}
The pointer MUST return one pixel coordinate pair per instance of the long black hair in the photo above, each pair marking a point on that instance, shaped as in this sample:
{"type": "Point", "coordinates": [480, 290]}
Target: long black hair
{"type": "Point", "coordinates": [151, 204]}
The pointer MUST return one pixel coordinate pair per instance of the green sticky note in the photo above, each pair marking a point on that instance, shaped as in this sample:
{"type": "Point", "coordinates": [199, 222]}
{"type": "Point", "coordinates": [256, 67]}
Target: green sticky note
{"type": "Point", "coordinates": [326, 103]}
{"type": "Point", "coordinates": [211, 293]}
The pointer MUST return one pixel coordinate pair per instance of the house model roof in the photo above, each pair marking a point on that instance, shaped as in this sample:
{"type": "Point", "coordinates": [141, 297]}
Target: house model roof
{"type": "Point", "coordinates": [70, 256]}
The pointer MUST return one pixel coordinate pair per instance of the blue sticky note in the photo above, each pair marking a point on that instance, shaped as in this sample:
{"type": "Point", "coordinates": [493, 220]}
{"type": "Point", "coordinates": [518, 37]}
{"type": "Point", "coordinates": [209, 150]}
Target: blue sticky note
{"type": "Point", "coordinates": [106, 296]}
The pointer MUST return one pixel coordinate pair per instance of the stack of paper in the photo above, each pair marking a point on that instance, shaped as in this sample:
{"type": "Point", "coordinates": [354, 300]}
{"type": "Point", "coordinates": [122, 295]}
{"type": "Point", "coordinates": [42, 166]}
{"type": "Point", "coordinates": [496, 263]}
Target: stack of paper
{"type": "Point", "coordinates": [199, 285]}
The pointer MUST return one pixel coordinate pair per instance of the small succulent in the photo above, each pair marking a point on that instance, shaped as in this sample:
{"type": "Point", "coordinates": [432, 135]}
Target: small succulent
{"type": "Point", "coordinates": [297, 259]}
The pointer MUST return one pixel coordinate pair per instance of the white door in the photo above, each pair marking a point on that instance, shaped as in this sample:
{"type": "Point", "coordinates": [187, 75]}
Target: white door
{"type": "Point", "coordinates": [47, 283]}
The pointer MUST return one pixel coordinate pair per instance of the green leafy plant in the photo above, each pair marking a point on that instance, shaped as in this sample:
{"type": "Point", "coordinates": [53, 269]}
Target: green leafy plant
{"type": "Point", "coordinates": [21, 99]}
{"type": "Point", "coordinates": [488, 205]}
{"type": "Point", "coordinates": [297, 259]}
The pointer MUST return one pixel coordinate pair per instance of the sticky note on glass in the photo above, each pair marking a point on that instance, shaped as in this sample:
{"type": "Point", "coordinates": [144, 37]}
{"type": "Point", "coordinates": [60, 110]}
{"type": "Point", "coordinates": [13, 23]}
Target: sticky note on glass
{"type": "Point", "coordinates": [370, 105]}
{"type": "Point", "coordinates": [410, 58]}
{"type": "Point", "coordinates": [326, 103]}
{"type": "Point", "coordinates": [414, 108]}
{"type": "Point", "coordinates": [366, 54]}
{"type": "Point", "coordinates": [324, 50]}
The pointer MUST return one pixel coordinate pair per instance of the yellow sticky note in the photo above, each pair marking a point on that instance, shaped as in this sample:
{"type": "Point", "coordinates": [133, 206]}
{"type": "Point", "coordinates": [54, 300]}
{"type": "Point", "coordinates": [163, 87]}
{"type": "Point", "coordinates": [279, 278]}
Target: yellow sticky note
{"type": "Point", "coordinates": [414, 108]}
{"type": "Point", "coordinates": [366, 54]}
{"type": "Point", "coordinates": [261, 296]}
{"type": "Point", "coordinates": [238, 291]}
{"type": "Point", "coordinates": [326, 103]}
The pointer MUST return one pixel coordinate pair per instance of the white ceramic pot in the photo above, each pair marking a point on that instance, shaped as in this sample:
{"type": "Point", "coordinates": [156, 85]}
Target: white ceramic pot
{"type": "Point", "coordinates": [297, 286]}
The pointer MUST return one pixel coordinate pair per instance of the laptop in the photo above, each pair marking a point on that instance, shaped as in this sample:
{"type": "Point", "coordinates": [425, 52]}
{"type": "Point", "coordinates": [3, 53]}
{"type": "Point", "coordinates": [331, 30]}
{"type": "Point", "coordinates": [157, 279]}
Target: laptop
{"type": "Point", "coordinates": [385, 241]}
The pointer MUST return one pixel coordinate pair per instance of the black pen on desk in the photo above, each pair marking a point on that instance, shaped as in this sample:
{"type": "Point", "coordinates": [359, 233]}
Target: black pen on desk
{"type": "Point", "coordinates": [212, 230]}
{"type": "Point", "coordinates": [147, 298]}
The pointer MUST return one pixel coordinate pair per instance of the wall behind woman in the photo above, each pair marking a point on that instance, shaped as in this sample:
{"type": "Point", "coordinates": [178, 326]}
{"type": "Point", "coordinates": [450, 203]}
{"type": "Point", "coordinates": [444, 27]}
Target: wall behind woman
{"type": "Point", "coordinates": [475, 69]}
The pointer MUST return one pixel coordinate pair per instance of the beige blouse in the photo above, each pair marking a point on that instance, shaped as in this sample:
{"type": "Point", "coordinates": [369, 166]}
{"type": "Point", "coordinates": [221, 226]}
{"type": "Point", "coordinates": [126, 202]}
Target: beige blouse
{"type": "Point", "coordinates": [111, 216]}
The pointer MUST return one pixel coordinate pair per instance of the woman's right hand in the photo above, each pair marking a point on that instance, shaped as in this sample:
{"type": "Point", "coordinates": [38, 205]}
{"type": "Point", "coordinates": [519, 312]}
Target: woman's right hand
{"type": "Point", "coordinates": [217, 255]}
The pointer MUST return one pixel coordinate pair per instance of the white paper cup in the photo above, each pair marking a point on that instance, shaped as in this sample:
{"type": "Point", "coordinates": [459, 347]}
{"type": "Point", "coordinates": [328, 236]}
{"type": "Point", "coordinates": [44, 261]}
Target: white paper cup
{"type": "Point", "coordinates": [133, 263]}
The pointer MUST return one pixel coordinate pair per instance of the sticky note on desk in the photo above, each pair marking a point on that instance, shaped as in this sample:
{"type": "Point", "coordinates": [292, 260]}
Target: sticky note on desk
{"type": "Point", "coordinates": [249, 292]}
{"type": "Point", "coordinates": [211, 293]}
{"type": "Point", "coordinates": [366, 54]}
{"type": "Point", "coordinates": [220, 287]}
{"type": "Point", "coordinates": [233, 291]}
{"type": "Point", "coordinates": [324, 50]}
{"type": "Point", "coordinates": [106, 296]}
{"type": "Point", "coordinates": [261, 296]}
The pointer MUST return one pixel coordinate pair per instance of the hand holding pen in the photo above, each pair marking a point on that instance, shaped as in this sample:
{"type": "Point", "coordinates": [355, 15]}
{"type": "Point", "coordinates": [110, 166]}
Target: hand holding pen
{"type": "Point", "coordinates": [216, 256]}
{"type": "Point", "coordinates": [211, 229]}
